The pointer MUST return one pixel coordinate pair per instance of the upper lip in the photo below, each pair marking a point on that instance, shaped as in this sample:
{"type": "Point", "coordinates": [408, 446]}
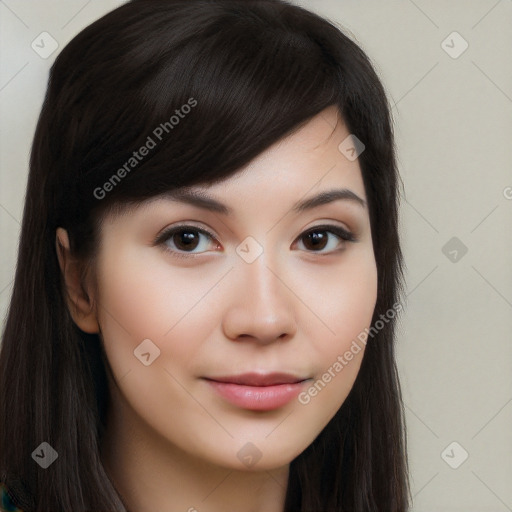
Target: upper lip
{"type": "Point", "coordinates": [259, 379]}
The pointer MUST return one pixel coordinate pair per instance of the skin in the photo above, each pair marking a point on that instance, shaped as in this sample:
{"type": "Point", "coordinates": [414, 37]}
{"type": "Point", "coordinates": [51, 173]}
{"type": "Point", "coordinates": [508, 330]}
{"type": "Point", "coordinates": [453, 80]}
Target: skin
{"type": "Point", "coordinates": [171, 441]}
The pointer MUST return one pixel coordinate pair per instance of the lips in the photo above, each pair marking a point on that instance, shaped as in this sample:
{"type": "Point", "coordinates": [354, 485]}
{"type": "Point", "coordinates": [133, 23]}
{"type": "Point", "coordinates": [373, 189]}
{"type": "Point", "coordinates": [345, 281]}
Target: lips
{"type": "Point", "coordinates": [258, 379]}
{"type": "Point", "coordinates": [256, 391]}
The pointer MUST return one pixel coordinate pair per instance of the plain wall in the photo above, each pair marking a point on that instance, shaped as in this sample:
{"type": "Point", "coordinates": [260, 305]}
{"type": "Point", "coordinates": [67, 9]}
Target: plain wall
{"type": "Point", "coordinates": [453, 121]}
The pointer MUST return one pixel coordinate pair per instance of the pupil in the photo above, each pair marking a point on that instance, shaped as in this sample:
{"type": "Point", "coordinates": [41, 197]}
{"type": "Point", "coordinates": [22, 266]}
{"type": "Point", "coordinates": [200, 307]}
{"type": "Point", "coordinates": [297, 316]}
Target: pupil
{"type": "Point", "coordinates": [317, 238]}
{"type": "Point", "coordinates": [185, 240]}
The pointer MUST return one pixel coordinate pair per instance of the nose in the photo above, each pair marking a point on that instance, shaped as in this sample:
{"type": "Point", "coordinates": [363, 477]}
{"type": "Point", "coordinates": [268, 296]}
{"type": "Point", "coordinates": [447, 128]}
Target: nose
{"type": "Point", "coordinates": [261, 308]}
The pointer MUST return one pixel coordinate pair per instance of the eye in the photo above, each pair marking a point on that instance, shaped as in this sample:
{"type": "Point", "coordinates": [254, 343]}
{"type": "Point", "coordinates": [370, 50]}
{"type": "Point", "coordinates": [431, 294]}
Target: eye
{"type": "Point", "coordinates": [181, 240]}
{"type": "Point", "coordinates": [317, 238]}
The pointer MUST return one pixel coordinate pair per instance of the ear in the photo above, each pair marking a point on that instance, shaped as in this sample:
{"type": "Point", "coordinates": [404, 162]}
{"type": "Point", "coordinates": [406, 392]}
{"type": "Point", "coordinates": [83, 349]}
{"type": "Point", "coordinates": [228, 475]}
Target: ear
{"type": "Point", "coordinates": [79, 303]}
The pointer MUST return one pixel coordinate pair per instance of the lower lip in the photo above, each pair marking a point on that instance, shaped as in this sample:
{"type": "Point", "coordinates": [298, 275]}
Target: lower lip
{"type": "Point", "coordinates": [257, 398]}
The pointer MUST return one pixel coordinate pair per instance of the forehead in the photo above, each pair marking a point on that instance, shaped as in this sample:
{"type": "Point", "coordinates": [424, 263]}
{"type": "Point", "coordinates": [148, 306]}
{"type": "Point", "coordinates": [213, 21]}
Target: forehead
{"type": "Point", "coordinates": [309, 155]}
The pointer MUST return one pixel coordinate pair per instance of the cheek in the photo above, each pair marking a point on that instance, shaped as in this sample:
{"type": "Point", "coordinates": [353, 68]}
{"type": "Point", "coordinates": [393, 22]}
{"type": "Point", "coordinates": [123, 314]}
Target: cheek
{"type": "Point", "coordinates": [343, 301]}
{"type": "Point", "coordinates": [144, 299]}
{"type": "Point", "coordinates": [356, 301]}
{"type": "Point", "coordinates": [346, 308]}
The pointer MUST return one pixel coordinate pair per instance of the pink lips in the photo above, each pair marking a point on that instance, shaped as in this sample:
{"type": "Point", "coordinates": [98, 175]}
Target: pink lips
{"type": "Point", "coordinates": [258, 392]}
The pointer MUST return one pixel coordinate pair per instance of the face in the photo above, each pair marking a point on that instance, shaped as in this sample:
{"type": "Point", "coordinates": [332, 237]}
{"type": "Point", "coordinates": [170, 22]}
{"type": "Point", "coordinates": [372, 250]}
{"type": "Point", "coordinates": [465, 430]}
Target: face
{"type": "Point", "coordinates": [228, 333]}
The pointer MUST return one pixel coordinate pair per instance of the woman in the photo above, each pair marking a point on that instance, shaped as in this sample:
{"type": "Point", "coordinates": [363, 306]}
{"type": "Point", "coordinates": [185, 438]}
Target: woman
{"type": "Point", "coordinates": [209, 272]}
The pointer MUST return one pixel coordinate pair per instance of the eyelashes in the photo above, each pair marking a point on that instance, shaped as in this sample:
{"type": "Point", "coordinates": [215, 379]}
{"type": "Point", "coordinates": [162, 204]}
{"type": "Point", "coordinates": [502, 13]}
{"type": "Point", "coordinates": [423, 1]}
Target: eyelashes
{"type": "Point", "coordinates": [190, 237]}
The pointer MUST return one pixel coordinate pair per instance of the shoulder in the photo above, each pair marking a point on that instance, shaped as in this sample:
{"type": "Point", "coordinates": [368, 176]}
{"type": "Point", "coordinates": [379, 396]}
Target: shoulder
{"type": "Point", "coordinates": [7, 500]}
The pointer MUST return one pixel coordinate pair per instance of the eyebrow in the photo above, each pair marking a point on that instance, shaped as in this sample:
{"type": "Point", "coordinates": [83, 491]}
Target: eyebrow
{"type": "Point", "coordinates": [206, 202]}
{"type": "Point", "coordinates": [328, 196]}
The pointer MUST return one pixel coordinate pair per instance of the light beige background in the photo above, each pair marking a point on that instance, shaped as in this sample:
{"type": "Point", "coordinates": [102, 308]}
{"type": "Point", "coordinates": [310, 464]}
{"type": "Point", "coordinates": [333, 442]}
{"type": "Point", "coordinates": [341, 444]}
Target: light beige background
{"type": "Point", "coordinates": [454, 133]}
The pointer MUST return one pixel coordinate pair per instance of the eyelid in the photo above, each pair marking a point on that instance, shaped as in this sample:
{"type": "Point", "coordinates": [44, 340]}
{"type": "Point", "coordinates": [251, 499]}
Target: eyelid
{"type": "Point", "coordinates": [164, 234]}
{"type": "Point", "coordinates": [344, 233]}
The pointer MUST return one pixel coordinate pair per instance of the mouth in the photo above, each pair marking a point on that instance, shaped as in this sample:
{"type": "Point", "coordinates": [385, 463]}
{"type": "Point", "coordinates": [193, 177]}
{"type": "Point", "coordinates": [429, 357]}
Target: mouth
{"type": "Point", "coordinates": [258, 391]}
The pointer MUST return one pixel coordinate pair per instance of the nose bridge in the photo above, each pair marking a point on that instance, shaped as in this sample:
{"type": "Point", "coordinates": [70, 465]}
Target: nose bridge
{"type": "Point", "coordinates": [261, 269]}
{"type": "Point", "coordinates": [265, 282]}
{"type": "Point", "coordinates": [263, 307]}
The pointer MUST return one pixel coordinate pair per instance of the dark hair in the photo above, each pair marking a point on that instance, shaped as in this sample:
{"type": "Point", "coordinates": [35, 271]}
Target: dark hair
{"type": "Point", "coordinates": [252, 71]}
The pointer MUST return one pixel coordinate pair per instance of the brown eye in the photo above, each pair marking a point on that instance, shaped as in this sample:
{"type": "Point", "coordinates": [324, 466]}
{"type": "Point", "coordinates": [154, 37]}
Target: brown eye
{"type": "Point", "coordinates": [316, 240]}
{"type": "Point", "coordinates": [184, 240]}
{"type": "Point", "coordinates": [320, 238]}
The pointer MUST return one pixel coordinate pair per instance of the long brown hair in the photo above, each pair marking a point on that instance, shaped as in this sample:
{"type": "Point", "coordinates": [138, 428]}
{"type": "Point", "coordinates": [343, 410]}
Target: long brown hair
{"type": "Point", "coordinates": [257, 70]}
